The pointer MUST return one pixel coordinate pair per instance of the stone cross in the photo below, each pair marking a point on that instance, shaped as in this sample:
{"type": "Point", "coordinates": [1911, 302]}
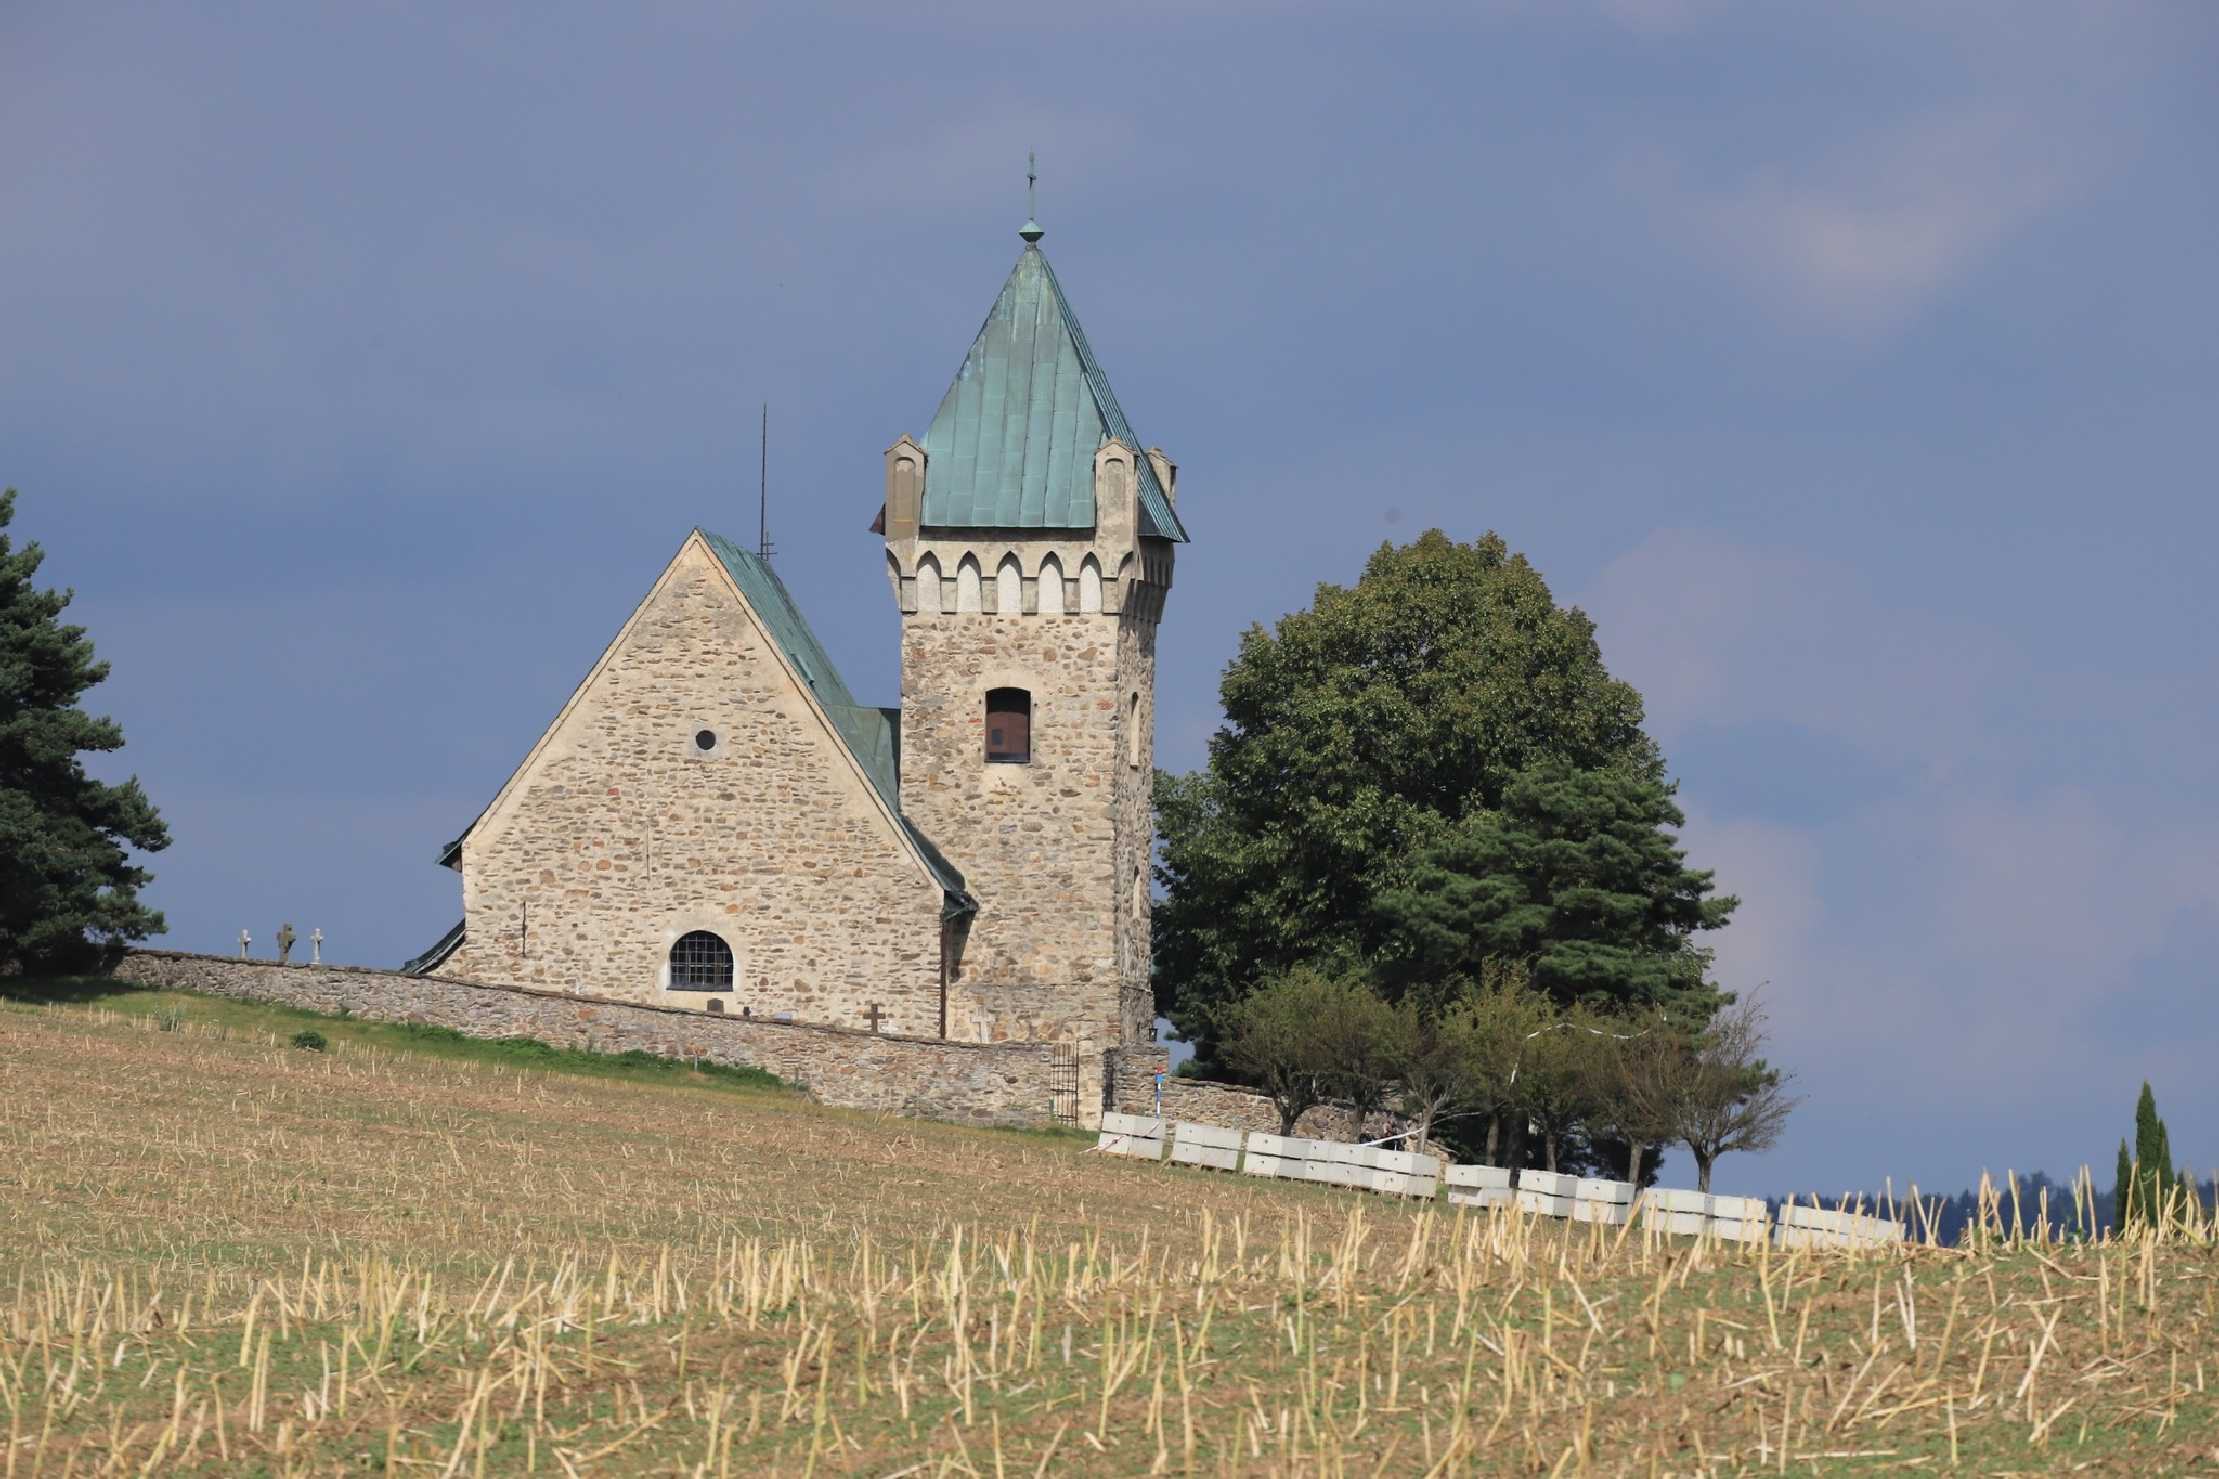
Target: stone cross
{"type": "Point", "coordinates": [245, 940]}
{"type": "Point", "coordinates": [316, 946]}
{"type": "Point", "coordinates": [875, 1015]}
{"type": "Point", "coordinates": [285, 938]}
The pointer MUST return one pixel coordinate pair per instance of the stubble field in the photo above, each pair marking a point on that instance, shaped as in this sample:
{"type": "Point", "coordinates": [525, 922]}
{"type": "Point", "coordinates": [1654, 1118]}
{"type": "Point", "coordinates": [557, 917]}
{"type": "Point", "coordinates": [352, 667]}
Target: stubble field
{"type": "Point", "coordinates": [224, 1254]}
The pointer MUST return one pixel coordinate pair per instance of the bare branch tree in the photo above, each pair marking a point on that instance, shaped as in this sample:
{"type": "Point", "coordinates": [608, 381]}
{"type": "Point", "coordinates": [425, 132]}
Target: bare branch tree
{"type": "Point", "coordinates": [1729, 1098]}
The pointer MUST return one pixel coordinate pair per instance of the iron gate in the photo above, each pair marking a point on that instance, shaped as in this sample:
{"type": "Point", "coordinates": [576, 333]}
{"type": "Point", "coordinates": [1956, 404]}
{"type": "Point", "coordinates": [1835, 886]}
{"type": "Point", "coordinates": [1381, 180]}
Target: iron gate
{"type": "Point", "coordinates": [1063, 1083]}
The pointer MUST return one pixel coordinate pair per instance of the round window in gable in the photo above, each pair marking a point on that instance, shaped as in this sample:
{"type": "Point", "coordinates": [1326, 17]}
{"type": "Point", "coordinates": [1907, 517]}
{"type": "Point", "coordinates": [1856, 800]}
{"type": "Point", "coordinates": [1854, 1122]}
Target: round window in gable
{"type": "Point", "coordinates": [704, 740]}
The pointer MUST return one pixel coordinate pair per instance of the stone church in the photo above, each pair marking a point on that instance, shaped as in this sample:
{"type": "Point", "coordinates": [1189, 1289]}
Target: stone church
{"type": "Point", "coordinates": [715, 821]}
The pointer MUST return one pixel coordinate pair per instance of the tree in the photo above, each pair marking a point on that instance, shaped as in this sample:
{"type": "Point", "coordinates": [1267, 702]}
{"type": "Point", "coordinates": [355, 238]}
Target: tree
{"type": "Point", "coordinates": [1492, 1027]}
{"type": "Point", "coordinates": [2122, 1189]}
{"type": "Point", "coordinates": [1358, 732]}
{"type": "Point", "coordinates": [1558, 1087]}
{"type": "Point", "coordinates": [2149, 1187]}
{"type": "Point", "coordinates": [1577, 875]}
{"type": "Point", "coordinates": [1431, 1061]}
{"type": "Point", "coordinates": [1360, 1032]}
{"type": "Point", "coordinates": [1647, 1069]}
{"type": "Point", "coordinates": [1281, 1036]}
{"type": "Point", "coordinates": [1729, 1098]}
{"type": "Point", "coordinates": [69, 893]}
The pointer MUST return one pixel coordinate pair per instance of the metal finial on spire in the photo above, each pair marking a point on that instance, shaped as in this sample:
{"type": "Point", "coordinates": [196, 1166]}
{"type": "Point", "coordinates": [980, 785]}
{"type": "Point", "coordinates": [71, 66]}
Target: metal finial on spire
{"type": "Point", "coordinates": [1031, 231]}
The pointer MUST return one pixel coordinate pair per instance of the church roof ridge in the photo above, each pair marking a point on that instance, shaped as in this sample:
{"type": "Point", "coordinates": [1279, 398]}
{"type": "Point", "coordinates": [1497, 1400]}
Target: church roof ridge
{"type": "Point", "coordinates": [1012, 444]}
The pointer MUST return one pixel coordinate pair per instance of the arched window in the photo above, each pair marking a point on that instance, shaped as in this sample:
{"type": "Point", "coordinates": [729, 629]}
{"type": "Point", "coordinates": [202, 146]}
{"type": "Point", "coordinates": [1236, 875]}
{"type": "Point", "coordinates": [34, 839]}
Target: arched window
{"type": "Point", "coordinates": [967, 585]}
{"type": "Point", "coordinates": [1009, 588]}
{"type": "Point", "coordinates": [1051, 587]}
{"type": "Point", "coordinates": [1008, 726]}
{"type": "Point", "coordinates": [1132, 729]}
{"type": "Point", "coordinates": [1090, 587]}
{"type": "Point", "coordinates": [700, 961]}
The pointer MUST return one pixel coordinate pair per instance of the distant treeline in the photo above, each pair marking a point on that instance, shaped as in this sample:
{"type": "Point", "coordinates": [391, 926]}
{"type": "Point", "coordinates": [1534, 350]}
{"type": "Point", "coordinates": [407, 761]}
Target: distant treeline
{"type": "Point", "coordinates": [1951, 1216]}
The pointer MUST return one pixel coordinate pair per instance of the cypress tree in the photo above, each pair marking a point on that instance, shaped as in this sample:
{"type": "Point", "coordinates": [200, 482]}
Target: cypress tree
{"type": "Point", "coordinates": [2122, 1189]}
{"type": "Point", "coordinates": [2168, 1178]}
{"type": "Point", "coordinates": [2153, 1158]}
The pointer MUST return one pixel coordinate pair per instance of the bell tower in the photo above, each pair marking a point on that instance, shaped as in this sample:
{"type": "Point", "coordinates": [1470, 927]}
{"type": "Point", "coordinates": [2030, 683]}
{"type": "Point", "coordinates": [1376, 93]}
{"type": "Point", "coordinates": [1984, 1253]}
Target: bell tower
{"type": "Point", "coordinates": [1029, 542]}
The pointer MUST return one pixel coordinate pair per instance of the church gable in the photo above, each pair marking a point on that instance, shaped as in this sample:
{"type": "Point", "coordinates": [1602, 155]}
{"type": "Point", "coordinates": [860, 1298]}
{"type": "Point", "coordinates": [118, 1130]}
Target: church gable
{"type": "Point", "coordinates": [701, 782]}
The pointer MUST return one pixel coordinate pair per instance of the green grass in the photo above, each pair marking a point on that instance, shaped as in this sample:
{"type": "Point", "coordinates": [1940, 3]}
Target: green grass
{"type": "Point", "coordinates": [342, 1030]}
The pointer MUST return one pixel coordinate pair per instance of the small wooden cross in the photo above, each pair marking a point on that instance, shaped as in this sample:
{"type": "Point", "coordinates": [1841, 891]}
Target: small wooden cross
{"type": "Point", "coordinates": [875, 1015]}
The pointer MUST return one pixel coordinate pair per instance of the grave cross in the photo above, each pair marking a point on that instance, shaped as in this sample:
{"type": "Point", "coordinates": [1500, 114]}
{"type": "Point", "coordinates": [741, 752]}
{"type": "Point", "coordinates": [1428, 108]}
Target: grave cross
{"type": "Point", "coordinates": [245, 940]}
{"type": "Point", "coordinates": [875, 1015]}
{"type": "Point", "coordinates": [316, 947]}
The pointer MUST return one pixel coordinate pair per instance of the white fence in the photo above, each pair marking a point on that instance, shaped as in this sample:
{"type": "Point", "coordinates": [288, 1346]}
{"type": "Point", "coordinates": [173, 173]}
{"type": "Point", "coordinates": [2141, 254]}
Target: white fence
{"type": "Point", "coordinates": [1405, 1173]}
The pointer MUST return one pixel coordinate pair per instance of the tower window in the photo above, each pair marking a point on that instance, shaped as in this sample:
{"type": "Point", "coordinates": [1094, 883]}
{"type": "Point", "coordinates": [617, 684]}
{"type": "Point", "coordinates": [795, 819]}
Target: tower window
{"type": "Point", "coordinates": [704, 739]}
{"type": "Point", "coordinates": [1132, 730]}
{"type": "Point", "coordinates": [1008, 726]}
{"type": "Point", "coordinates": [700, 961]}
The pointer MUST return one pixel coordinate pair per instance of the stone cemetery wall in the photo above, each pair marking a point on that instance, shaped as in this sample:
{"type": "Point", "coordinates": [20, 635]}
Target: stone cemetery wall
{"type": "Point", "coordinates": [1132, 1090]}
{"type": "Point", "coordinates": [990, 1083]}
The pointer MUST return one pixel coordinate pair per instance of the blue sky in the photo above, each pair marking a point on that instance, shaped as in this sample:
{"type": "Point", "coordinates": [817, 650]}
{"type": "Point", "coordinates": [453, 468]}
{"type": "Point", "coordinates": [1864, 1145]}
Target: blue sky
{"type": "Point", "coordinates": [1854, 366]}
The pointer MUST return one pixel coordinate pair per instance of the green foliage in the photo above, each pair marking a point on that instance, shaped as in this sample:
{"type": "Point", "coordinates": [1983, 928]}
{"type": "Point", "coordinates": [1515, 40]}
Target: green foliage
{"type": "Point", "coordinates": [1367, 1048]}
{"type": "Point", "coordinates": [1294, 1036]}
{"type": "Point", "coordinates": [1558, 1086]}
{"type": "Point", "coordinates": [2122, 1188]}
{"type": "Point", "coordinates": [1575, 874]}
{"type": "Point", "coordinates": [1358, 734]}
{"type": "Point", "coordinates": [2148, 1183]}
{"type": "Point", "coordinates": [68, 889]}
{"type": "Point", "coordinates": [311, 1040]}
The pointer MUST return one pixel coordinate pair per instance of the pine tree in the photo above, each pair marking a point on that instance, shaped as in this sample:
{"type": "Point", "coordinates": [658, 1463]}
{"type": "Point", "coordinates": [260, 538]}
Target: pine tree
{"type": "Point", "coordinates": [68, 889]}
{"type": "Point", "coordinates": [1577, 875]}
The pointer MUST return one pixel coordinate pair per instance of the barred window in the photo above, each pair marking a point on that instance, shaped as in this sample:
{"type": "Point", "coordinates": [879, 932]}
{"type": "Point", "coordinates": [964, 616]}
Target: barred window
{"type": "Point", "coordinates": [1009, 726]}
{"type": "Point", "coordinates": [700, 962]}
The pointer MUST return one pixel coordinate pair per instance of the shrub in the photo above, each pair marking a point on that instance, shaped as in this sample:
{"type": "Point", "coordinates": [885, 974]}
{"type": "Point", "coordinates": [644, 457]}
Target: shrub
{"type": "Point", "coordinates": [311, 1040]}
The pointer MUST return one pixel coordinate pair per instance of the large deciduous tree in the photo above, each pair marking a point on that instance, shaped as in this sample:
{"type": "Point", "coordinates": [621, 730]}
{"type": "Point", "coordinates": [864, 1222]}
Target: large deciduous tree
{"type": "Point", "coordinates": [1357, 734]}
{"type": "Point", "coordinates": [1575, 873]}
{"type": "Point", "coordinates": [69, 892]}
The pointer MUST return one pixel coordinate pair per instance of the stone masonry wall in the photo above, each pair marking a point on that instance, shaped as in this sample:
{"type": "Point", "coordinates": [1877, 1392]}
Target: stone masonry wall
{"type": "Point", "coordinates": [1131, 1083]}
{"type": "Point", "coordinates": [620, 834]}
{"type": "Point", "coordinates": [1002, 1083]}
{"type": "Point", "coordinates": [1037, 842]}
{"type": "Point", "coordinates": [1136, 815]}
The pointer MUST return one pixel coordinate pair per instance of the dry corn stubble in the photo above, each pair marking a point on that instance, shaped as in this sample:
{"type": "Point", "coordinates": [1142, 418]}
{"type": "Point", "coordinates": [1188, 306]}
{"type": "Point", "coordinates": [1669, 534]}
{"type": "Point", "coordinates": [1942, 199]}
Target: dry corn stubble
{"type": "Point", "coordinates": [226, 1255]}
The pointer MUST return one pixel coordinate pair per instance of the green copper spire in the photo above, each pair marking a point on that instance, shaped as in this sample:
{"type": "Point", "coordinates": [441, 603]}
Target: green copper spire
{"type": "Point", "coordinates": [1031, 229]}
{"type": "Point", "coordinates": [1012, 445]}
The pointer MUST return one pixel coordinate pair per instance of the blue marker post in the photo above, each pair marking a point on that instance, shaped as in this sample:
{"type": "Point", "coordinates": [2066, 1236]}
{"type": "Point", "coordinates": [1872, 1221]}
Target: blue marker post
{"type": "Point", "coordinates": [1159, 1096]}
